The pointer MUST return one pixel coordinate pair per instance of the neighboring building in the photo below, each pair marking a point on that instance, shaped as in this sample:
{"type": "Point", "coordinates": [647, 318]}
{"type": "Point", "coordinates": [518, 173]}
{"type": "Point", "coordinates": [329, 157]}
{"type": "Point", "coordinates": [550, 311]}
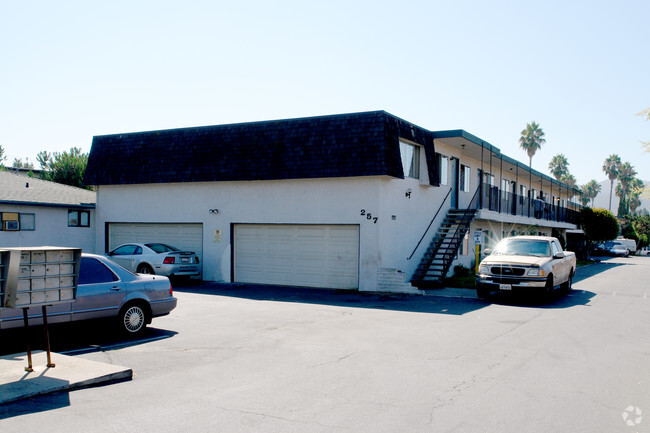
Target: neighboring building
{"type": "Point", "coordinates": [340, 201]}
{"type": "Point", "coordinates": [36, 212]}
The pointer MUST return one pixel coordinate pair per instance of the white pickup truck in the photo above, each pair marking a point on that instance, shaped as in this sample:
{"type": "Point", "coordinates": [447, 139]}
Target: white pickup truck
{"type": "Point", "coordinates": [526, 263]}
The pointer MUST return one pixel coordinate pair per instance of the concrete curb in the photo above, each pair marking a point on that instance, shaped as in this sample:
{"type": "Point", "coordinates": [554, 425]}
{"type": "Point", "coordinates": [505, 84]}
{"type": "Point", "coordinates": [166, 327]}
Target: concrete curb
{"type": "Point", "coordinates": [68, 374]}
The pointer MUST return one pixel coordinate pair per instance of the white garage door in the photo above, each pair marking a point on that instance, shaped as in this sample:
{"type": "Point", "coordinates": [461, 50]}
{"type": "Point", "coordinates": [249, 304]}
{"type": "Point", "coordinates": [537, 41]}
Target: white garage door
{"type": "Point", "coordinates": [188, 237]}
{"type": "Point", "coordinates": [297, 255]}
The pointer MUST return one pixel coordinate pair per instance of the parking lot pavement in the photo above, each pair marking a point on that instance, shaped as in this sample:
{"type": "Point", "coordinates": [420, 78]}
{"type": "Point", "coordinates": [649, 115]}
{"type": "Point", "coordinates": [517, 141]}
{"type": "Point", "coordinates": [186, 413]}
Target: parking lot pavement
{"type": "Point", "coordinates": [264, 359]}
{"type": "Point", "coordinates": [68, 373]}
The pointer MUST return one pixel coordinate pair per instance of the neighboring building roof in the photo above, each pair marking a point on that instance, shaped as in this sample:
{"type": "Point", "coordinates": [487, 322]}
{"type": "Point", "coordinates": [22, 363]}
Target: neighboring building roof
{"type": "Point", "coordinates": [357, 144]}
{"type": "Point", "coordinates": [18, 189]}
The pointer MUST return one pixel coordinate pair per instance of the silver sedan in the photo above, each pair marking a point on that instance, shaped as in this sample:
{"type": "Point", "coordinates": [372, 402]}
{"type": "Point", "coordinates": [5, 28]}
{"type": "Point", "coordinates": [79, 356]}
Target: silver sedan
{"type": "Point", "coordinates": [157, 258]}
{"type": "Point", "coordinates": [105, 290]}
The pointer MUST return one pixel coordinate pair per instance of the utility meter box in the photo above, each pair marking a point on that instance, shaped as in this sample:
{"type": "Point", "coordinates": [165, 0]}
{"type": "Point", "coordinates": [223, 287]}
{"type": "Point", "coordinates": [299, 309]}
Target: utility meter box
{"type": "Point", "coordinates": [40, 276]}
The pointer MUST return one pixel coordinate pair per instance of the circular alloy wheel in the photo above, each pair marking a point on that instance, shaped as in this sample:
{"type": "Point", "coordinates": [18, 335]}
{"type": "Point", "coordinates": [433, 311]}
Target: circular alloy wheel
{"type": "Point", "coordinates": [145, 269]}
{"type": "Point", "coordinates": [133, 319]}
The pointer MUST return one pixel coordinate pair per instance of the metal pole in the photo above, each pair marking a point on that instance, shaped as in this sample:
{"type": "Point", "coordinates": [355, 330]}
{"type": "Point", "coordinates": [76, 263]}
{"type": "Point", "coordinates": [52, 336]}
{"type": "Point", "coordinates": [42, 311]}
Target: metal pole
{"type": "Point", "coordinates": [29, 349]}
{"type": "Point", "coordinates": [47, 338]}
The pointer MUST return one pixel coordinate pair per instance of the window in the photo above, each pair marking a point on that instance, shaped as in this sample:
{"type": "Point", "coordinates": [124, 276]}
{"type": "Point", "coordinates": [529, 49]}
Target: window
{"type": "Point", "coordinates": [27, 221]}
{"type": "Point", "coordinates": [410, 159]}
{"type": "Point", "coordinates": [464, 177]}
{"type": "Point", "coordinates": [78, 218]}
{"type": "Point", "coordinates": [444, 170]}
{"type": "Point", "coordinates": [14, 221]}
{"type": "Point", "coordinates": [125, 250]}
{"type": "Point", "coordinates": [93, 271]}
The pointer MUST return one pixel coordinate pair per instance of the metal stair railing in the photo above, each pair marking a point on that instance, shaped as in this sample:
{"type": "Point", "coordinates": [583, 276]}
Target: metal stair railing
{"type": "Point", "coordinates": [429, 226]}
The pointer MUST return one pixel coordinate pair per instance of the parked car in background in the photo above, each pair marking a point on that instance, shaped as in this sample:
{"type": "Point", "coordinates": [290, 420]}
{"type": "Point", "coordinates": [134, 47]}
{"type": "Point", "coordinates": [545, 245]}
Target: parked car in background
{"type": "Point", "coordinates": [105, 290]}
{"type": "Point", "coordinates": [630, 244]}
{"type": "Point", "coordinates": [526, 264]}
{"type": "Point", "coordinates": [157, 258]}
{"type": "Point", "coordinates": [645, 251]}
{"type": "Point", "coordinates": [616, 249]}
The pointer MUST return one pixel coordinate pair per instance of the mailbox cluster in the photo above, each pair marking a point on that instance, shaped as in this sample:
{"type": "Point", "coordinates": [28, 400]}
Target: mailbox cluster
{"type": "Point", "coordinates": [38, 276]}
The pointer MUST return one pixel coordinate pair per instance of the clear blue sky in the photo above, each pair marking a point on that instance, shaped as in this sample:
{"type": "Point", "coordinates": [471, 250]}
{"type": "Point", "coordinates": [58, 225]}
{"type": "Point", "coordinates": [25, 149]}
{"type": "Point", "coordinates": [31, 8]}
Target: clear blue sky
{"type": "Point", "coordinates": [72, 70]}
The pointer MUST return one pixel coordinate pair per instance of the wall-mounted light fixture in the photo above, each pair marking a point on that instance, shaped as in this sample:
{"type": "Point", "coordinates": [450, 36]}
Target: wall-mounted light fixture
{"type": "Point", "coordinates": [408, 193]}
{"type": "Point", "coordinates": [214, 211]}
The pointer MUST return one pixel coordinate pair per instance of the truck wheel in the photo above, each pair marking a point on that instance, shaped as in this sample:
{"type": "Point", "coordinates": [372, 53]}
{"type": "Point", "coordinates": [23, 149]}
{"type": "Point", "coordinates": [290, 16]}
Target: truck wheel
{"type": "Point", "coordinates": [547, 291]}
{"type": "Point", "coordinates": [566, 287]}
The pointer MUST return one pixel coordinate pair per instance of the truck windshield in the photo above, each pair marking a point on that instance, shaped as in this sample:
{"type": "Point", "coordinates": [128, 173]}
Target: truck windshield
{"type": "Point", "coordinates": [523, 247]}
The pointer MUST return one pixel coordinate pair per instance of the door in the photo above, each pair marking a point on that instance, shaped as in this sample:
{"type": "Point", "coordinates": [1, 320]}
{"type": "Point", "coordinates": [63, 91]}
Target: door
{"type": "Point", "coordinates": [297, 255]}
{"type": "Point", "coordinates": [455, 176]}
{"type": "Point", "coordinates": [100, 293]}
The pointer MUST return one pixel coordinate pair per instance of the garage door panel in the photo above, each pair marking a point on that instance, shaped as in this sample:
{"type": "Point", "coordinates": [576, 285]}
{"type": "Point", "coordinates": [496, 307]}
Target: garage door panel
{"type": "Point", "coordinates": [299, 255]}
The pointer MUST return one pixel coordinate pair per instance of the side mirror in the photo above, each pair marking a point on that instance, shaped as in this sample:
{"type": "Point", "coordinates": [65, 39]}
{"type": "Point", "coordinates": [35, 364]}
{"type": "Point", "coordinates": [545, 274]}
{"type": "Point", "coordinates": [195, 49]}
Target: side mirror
{"type": "Point", "coordinates": [110, 253]}
{"type": "Point", "coordinates": [487, 251]}
{"type": "Point", "coordinates": [559, 255]}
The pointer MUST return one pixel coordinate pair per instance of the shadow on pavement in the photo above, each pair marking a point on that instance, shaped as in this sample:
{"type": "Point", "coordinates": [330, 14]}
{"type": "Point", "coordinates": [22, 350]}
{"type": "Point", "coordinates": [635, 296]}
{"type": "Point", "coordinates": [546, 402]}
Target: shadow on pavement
{"type": "Point", "coordinates": [339, 298]}
{"type": "Point", "coordinates": [33, 405]}
{"type": "Point", "coordinates": [75, 338]}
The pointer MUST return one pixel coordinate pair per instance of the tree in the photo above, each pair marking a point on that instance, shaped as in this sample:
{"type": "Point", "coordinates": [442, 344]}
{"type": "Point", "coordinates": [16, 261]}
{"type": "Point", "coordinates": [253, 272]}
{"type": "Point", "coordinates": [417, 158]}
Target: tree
{"type": "Point", "coordinates": [645, 113]}
{"type": "Point", "coordinates": [641, 226]}
{"type": "Point", "coordinates": [599, 225]}
{"type": "Point", "coordinates": [3, 157]}
{"type": "Point", "coordinates": [559, 166]}
{"type": "Point", "coordinates": [626, 178]}
{"type": "Point", "coordinates": [67, 168]}
{"type": "Point", "coordinates": [568, 179]}
{"type": "Point", "coordinates": [610, 167]}
{"type": "Point", "coordinates": [592, 189]}
{"type": "Point", "coordinates": [636, 189]}
{"type": "Point", "coordinates": [531, 141]}
{"type": "Point", "coordinates": [584, 197]}
{"type": "Point", "coordinates": [18, 163]}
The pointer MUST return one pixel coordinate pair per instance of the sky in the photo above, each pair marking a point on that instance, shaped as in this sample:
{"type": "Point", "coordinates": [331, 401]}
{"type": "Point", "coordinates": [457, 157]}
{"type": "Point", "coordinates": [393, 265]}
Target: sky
{"type": "Point", "coordinates": [73, 70]}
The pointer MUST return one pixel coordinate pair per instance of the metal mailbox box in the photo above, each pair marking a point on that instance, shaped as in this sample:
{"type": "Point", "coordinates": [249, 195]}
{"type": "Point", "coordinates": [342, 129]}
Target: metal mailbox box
{"type": "Point", "coordinates": [39, 276]}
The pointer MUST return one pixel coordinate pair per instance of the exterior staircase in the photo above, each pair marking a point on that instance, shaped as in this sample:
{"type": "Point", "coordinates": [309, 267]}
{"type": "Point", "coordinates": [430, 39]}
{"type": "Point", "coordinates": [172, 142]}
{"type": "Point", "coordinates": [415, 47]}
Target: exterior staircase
{"type": "Point", "coordinates": [442, 250]}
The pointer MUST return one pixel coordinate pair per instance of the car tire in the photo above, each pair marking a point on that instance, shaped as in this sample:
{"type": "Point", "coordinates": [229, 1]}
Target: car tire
{"type": "Point", "coordinates": [547, 291]}
{"type": "Point", "coordinates": [133, 319]}
{"type": "Point", "coordinates": [145, 269]}
{"type": "Point", "coordinates": [566, 286]}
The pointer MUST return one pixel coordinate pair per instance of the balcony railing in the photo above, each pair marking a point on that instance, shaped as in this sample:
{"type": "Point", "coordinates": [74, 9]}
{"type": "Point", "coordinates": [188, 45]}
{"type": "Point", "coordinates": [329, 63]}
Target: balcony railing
{"type": "Point", "coordinates": [496, 200]}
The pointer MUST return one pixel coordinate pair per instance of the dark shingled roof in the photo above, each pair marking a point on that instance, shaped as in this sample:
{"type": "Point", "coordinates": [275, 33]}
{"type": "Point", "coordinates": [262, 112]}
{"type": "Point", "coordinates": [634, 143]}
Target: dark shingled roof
{"type": "Point", "coordinates": [358, 144]}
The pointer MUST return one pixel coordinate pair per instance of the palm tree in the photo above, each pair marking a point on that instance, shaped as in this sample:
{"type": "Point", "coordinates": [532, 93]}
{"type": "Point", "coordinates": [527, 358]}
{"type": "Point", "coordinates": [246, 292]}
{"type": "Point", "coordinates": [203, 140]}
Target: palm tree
{"type": "Point", "coordinates": [531, 140]}
{"type": "Point", "coordinates": [559, 166]}
{"type": "Point", "coordinates": [592, 188]}
{"type": "Point", "coordinates": [584, 197]}
{"type": "Point", "coordinates": [568, 179]}
{"type": "Point", "coordinates": [610, 167]}
{"type": "Point", "coordinates": [626, 178]}
{"type": "Point", "coordinates": [636, 189]}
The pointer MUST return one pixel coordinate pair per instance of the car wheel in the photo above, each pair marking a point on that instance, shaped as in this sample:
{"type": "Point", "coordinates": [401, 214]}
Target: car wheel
{"type": "Point", "coordinates": [132, 319]}
{"type": "Point", "coordinates": [548, 288]}
{"type": "Point", "coordinates": [145, 269]}
{"type": "Point", "coordinates": [566, 286]}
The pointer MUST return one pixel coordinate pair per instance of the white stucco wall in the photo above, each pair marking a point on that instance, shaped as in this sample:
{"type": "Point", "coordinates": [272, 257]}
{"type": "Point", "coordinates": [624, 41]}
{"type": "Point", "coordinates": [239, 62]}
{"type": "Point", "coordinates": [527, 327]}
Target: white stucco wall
{"type": "Point", "coordinates": [51, 229]}
{"type": "Point", "coordinates": [384, 244]}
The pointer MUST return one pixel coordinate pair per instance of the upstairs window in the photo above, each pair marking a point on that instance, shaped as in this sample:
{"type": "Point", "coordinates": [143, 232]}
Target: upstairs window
{"type": "Point", "coordinates": [444, 170]}
{"type": "Point", "coordinates": [410, 159]}
{"type": "Point", "coordinates": [464, 178]}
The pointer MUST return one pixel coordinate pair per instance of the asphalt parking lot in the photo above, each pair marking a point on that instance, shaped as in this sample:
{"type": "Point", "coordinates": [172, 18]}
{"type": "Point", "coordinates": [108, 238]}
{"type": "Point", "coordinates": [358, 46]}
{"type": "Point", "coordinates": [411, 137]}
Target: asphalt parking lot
{"type": "Point", "coordinates": [266, 359]}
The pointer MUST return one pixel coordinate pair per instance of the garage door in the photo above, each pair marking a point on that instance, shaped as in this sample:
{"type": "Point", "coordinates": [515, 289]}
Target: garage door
{"type": "Point", "coordinates": [297, 255]}
{"type": "Point", "coordinates": [187, 237]}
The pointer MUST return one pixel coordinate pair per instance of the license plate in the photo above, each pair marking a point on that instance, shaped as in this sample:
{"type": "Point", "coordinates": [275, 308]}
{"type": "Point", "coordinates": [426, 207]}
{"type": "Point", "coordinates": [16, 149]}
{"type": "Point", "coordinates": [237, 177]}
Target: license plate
{"type": "Point", "coordinates": [505, 287]}
{"type": "Point", "coordinates": [185, 259]}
